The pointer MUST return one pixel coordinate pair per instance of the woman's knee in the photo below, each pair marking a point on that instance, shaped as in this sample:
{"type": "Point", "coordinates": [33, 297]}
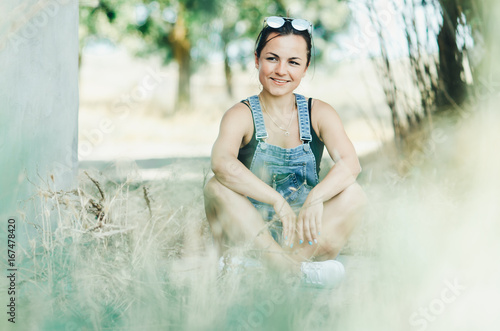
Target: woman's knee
{"type": "Point", "coordinates": [211, 196]}
{"type": "Point", "coordinates": [214, 191]}
{"type": "Point", "coordinates": [354, 196]}
{"type": "Point", "coordinates": [348, 203]}
{"type": "Point", "coordinates": [213, 188]}
{"type": "Point", "coordinates": [217, 194]}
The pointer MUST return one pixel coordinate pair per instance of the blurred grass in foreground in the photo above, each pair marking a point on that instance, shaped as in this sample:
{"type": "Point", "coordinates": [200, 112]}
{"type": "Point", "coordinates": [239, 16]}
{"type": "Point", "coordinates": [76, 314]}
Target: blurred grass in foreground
{"type": "Point", "coordinates": [126, 258]}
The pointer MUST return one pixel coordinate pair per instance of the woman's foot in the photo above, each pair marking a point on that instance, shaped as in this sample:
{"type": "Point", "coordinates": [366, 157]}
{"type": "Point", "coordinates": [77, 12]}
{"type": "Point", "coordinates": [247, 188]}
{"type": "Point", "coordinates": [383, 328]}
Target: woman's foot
{"type": "Point", "coordinates": [325, 274]}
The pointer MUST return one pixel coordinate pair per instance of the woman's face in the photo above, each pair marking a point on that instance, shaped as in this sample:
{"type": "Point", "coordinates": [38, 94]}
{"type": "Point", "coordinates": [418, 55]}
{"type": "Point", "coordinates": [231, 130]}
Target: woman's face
{"type": "Point", "coordinates": [282, 63]}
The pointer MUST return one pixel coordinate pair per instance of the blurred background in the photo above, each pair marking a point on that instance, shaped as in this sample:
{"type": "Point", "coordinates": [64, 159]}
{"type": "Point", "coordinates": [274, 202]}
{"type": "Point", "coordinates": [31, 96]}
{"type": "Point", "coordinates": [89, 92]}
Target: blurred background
{"type": "Point", "coordinates": [417, 86]}
{"type": "Point", "coordinates": [157, 76]}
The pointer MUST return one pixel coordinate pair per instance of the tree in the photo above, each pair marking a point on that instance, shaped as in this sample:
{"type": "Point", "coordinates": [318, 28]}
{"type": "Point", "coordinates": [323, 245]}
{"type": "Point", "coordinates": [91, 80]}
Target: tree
{"type": "Point", "coordinates": [170, 28]}
{"type": "Point", "coordinates": [176, 28]}
{"type": "Point", "coordinates": [93, 20]}
{"type": "Point", "coordinates": [165, 27]}
{"type": "Point", "coordinates": [434, 61]}
{"type": "Point", "coordinates": [457, 14]}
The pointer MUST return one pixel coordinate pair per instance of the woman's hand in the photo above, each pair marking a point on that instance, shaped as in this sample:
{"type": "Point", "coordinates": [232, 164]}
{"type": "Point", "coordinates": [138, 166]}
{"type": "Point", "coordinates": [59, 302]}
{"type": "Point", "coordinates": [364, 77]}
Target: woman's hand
{"type": "Point", "coordinates": [309, 220]}
{"type": "Point", "coordinates": [288, 218]}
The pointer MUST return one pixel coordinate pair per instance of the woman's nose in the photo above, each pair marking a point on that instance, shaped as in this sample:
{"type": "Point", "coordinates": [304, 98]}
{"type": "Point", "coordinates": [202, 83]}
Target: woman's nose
{"type": "Point", "coordinates": [280, 68]}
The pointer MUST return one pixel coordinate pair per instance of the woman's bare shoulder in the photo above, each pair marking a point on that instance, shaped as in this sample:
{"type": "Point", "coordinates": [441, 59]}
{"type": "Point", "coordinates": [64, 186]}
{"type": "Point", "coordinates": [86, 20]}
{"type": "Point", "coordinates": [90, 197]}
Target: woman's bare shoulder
{"type": "Point", "coordinates": [238, 119]}
{"type": "Point", "coordinates": [320, 107]}
{"type": "Point", "coordinates": [238, 112]}
{"type": "Point", "coordinates": [323, 113]}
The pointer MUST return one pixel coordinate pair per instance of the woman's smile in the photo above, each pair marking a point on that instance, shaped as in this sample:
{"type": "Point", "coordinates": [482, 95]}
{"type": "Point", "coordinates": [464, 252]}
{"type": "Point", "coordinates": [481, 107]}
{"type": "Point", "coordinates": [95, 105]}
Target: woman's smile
{"type": "Point", "coordinates": [279, 82]}
{"type": "Point", "coordinates": [282, 64]}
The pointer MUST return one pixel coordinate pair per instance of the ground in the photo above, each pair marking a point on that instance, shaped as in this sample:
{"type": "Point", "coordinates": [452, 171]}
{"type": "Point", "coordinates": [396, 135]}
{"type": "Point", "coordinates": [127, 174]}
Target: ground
{"type": "Point", "coordinates": [132, 250]}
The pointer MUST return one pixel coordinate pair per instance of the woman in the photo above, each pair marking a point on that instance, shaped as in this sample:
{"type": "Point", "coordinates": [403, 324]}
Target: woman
{"type": "Point", "coordinates": [265, 187]}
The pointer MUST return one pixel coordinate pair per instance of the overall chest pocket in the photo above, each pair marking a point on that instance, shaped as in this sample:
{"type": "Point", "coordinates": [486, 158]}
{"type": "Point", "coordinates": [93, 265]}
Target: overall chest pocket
{"type": "Point", "coordinates": [287, 186]}
{"type": "Point", "coordinates": [286, 180]}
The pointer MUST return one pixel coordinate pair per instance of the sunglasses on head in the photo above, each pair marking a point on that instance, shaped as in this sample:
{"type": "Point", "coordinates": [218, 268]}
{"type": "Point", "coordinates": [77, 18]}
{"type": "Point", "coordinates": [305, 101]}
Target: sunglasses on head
{"type": "Point", "coordinates": [298, 24]}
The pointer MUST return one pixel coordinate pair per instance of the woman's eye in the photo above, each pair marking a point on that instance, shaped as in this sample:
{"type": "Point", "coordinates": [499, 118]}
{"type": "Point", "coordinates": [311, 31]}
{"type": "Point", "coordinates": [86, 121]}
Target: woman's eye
{"type": "Point", "coordinates": [295, 63]}
{"type": "Point", "coordinates": [272, 58]}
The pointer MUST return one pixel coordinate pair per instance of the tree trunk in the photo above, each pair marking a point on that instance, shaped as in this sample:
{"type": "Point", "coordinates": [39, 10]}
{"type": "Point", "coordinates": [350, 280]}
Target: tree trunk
{"type": "Point", "coordinates": [182, 54]}
{"type": "Point", "coordinates": [184, 84]}
{"type": "Point", "coordinates": [452, 87]}
{"type": "Point", "coordinates": [228, 73]}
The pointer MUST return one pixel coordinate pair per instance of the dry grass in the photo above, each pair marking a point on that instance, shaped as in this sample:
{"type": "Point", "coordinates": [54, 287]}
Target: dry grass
{"type": "Point", "coordinates": [124, 257]}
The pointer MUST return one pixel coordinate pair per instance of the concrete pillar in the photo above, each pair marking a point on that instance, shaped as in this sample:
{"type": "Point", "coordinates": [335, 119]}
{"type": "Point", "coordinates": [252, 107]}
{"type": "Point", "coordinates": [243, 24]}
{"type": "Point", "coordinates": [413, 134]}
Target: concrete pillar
{"type": "Point", "coordinates": [38, 101]}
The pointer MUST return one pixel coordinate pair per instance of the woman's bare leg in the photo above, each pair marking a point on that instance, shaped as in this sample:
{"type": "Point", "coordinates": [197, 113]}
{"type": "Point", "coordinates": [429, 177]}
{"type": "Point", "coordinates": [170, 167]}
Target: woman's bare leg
{"type": "Point", "coordinates": [232, 216]}
{"type": "Point", "coordinates": [340, 216]}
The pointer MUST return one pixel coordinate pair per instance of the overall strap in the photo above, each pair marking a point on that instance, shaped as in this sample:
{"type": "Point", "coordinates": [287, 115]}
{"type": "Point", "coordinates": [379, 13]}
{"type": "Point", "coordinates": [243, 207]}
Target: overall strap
{"type": "Point", "coordinates": [258, 118]}
{"type": "Point", "coordinates": [304, 121]}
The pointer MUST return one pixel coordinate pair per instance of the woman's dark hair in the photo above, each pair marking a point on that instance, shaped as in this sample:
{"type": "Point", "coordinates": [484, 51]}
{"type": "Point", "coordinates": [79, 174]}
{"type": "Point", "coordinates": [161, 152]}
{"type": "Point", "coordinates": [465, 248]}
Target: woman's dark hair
{"type": "Point", "coordinates": [284, 30]}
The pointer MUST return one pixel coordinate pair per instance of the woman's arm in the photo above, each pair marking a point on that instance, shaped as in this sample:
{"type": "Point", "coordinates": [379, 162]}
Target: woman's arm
{"type": "Point", "coordinates": [340, 176]}
{"type": "Point", "coordinates": [224, 160]}
{"type": "Point", "coordinates": [234, 175]}
{"type": "Point", "coordinates": [341, 150]}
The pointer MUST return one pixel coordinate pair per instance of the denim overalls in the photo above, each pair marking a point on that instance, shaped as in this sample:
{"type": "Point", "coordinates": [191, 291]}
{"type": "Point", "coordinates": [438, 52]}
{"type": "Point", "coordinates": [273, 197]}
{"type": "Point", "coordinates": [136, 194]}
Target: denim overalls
{"type": "Point", "coordinates": [290, 171]}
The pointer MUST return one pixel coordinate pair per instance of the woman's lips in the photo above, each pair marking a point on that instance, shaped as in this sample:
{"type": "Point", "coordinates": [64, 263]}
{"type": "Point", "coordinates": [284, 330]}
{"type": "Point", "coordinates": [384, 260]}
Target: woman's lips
{"type": "Point", "coordinates": [279, 81]}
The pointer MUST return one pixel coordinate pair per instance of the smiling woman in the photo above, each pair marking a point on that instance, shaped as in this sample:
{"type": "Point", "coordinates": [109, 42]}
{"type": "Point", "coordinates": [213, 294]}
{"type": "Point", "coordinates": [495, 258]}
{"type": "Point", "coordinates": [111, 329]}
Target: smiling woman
{"type": "Point", "coordinates": [266, 164]}
{"type": "Point", "coordinates": [282, 64]}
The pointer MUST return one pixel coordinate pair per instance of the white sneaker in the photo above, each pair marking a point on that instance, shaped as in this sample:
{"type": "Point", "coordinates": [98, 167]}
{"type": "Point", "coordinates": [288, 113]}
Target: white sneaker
{"type": "Point", "coordinates": [327, 274]}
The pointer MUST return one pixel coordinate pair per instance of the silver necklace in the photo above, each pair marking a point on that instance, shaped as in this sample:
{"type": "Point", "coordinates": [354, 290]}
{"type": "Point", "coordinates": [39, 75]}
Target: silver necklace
{"type": "Point", "coordinates": [279, 127]}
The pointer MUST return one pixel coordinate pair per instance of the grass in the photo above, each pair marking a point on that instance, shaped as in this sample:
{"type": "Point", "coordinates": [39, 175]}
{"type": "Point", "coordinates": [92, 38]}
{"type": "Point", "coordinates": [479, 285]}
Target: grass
{"type": "Point", "coordinates": [128, 255]}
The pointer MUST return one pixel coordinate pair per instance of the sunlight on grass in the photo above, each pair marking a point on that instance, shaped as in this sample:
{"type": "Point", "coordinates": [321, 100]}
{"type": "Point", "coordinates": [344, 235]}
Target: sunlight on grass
{"type": "Point", "coordinates": [127, 256]}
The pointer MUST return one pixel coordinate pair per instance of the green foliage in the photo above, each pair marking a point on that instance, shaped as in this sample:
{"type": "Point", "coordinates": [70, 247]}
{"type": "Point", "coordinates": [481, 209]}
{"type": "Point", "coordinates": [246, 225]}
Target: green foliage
{"type": "Point", "coordinates": [145, 26]}
{"type": "Point", "coordinates": [102, 20]}
{"type": "Point", "coordinates": [192, 32]}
